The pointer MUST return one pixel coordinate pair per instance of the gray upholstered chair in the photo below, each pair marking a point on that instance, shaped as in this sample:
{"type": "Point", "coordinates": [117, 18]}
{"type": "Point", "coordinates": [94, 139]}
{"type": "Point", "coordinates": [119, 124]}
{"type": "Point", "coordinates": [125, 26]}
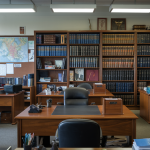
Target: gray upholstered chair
{"type": "Point", "coordinates": [85, 85]}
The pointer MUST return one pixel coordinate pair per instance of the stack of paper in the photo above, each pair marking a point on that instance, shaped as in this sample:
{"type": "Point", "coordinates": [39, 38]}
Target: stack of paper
{"type": "Point", "coordinates": [141, 144]}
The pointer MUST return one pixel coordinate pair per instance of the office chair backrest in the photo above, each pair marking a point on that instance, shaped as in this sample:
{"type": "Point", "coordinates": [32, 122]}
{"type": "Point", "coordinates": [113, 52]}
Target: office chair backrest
{"type": "Point", "coordinates": [75, 133]}
{"type": "Point", "coordinates": [85, 85]}
{"type": "Point", "coordinates": [75, 96]}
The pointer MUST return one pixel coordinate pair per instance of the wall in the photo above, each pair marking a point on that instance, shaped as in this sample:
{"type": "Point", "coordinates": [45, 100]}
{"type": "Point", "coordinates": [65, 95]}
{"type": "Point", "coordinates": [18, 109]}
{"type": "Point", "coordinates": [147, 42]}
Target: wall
{"type": "Point", "coordinates": [45, 19]}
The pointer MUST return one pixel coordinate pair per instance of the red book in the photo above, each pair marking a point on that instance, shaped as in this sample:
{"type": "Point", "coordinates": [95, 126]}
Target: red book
{"type": "Point", "coordinates": [92, 75]}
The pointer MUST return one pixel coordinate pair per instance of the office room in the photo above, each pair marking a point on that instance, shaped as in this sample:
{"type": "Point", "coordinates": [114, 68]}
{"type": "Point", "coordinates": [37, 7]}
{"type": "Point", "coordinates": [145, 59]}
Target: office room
{"type": "Point", "coordinates": [74, 64]}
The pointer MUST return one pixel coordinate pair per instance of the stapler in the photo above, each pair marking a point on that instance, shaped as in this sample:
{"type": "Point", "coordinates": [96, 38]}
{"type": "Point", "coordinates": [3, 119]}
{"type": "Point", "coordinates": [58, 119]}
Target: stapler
{"type": "Point", "coordinates": [34, 109]}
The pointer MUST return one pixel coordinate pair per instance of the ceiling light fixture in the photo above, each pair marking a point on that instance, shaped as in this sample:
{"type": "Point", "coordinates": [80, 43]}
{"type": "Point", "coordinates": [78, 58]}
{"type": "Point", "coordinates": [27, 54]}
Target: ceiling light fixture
{"type": "Point", "coordinates": [73, 8]}
{"type": "Point", "coordinates": [117, 8]}
{"type": "Point", "coordinates": [10, 8]}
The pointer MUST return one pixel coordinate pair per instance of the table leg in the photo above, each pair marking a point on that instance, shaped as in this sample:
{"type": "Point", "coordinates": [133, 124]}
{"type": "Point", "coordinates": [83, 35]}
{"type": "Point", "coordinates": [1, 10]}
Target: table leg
{"type": "Point", "coordinates": [133, 131]}
{"type": "Point", "coordinates": [19, 133]}
{"type": "Point", "coordinates": [13, 113]}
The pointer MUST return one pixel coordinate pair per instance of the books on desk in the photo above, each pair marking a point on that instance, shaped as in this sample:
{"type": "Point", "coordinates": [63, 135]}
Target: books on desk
{"type": "Point", "coordinates": [141, 144]}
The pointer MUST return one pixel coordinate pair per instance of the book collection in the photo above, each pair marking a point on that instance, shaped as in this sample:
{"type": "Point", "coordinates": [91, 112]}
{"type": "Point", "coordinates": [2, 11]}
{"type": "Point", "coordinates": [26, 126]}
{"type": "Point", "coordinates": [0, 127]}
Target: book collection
{"type": "Point", "coordinates": [118, 38]}
{"type": "Point", "coordinates": [127, 99]}
{"type": "Point", "coordinates": [118, 50]}
{"type": "Point", "coordinates": [141, 85]}
{"type": "Point", "coordinates": [84, 62]}
{"type": "Point", "coordinates": [120, 86]}
{"type": "Point", "coordinates": [143, 62]}
{"type": "Point", "coordinates": [118, 62]}
{"type": "Point", "coordinates": [51, 50]}
{"type": "Point", "coordinates": [84, 39]}
{"type": "Point", "coordinates": [118, 75]}
{"type": "Point", "coordinates": [84, 50]}
{"type": "Point", "coordinates": [143, 74]}
{"type": "Point", "coordinates": [143, 50]}
{"type": "Point", "coordinates": [50, 38]}
{"type": "Point", "coordinates": [143, 38]}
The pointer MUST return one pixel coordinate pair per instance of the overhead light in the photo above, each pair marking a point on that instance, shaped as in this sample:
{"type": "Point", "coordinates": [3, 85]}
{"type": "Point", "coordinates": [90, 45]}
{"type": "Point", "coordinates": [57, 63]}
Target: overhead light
{"type": "Point", "coordinates": [17, 8]}
{"type": "Point", "coordinates": [117, 8]}
{"type": "Point", "coordinates": [73, 8]}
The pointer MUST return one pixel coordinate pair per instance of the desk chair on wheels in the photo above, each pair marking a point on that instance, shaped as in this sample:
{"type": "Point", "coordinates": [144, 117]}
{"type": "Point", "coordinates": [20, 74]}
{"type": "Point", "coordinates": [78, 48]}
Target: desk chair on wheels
{"type": "Point", "coordinates": [85, 85]}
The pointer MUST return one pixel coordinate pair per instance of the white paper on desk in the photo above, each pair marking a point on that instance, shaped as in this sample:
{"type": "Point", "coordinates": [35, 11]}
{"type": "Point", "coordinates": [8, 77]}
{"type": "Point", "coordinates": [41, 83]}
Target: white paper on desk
{"type": "Point", "coordinates": [10, 68]}
{"type": "Point", "coordinates": [2, 69]}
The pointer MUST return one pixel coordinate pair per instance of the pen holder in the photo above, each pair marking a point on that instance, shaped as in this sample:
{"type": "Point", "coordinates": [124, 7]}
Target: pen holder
{"type": "Point", "coordinates": [27, 147]}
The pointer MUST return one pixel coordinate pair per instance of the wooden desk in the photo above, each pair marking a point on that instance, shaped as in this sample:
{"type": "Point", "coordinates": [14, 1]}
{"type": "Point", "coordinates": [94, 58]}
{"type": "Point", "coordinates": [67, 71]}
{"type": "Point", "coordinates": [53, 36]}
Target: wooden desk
{"type": "Point", "coordinates": [15, 101]}
{"type": "Point", "coordinates": [56, 97]}
{"type": "Point", "coordinates": [45, 124]}
{"type": "Point", "coordinates": [145, 105]}
{"type": "Point", "coordinates": [86, 149]}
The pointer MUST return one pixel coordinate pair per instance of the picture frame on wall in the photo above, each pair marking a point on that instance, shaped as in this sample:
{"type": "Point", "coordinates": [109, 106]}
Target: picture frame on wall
{"type": "Point", "coordinates": [22, 29]}
{"type": "Point", "coordinates": [118, 23]}
{"type": "Point", "coordinates": [101, 23]}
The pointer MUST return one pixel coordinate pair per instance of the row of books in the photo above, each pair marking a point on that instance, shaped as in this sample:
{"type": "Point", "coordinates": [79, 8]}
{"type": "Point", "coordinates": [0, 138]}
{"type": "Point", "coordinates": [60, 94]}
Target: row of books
{"type": "Point", "coordinates": [143, 62]}
{"type": "Point", "coordinates": [118, 75]}
{"type": "Point", "coordinates": [50, 38]}
{"type": "Point", "coordinates": [84, 62]}
{"type": "Point", "coordinates": [143, 50]}
{"type": "Point", "coordinates": [84, 50]}
{"type": "Point", "coordinates": [127, 99]}
{"type": "Point", "coordinates": [118, 50]}
{"type": "Point", "coordinates": [141, 85]}
{"type": "Point", "coordinates": [84, 39]}
{"type": "Point", "coordinates": [78, 75]}
{"type": "Point", "coordinates": [143, 74]}
{"type": "Point", "coordinates": [120, 86]}
{"type": "Point", "coordinates": [118, 62]}
{"type": "Point", "coordinates": [118, 38]}
{"type": "Point", "coordinates": [51, 50]}
{"type": "Point", "coordinates": [143, 38]}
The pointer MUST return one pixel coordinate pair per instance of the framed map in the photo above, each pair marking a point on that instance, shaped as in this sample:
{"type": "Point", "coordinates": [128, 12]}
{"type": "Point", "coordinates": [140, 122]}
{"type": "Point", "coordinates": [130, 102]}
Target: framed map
{"type": "Point", "coordinates": [13, 49]}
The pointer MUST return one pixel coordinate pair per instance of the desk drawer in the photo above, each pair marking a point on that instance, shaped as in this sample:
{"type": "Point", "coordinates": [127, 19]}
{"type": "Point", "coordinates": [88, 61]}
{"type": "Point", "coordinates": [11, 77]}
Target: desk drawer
{"type": "Point", "coordinates": [5, 101]}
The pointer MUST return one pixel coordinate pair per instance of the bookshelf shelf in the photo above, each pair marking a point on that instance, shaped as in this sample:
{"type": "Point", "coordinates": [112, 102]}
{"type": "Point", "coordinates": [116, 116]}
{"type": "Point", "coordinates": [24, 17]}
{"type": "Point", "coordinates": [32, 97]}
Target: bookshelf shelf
{"type": "Point", "coordinates": [118, 55]}
{"type": "Point", "coordinates": [143, 43]}
{"type": "Point", "coordinates": [143, 67]}
{"type": "Point", "coordinates": [122, 92]}
{"type": "Point", "coordinates": [51, 82]}
{"type": "Point", "coordinates": [51, 56]}
{"type": "Point", "coordinates": [86, 56]}
{"type": "Point", "coordinates": [129, 105]}
{"type": "Point", "coordinates": [144, 55]}
{"type": "Point", "coordinates": [119, 68]}
{"type": "Point", "coordinates": [53, 69]}
{"type": "Point", "coordinates": [84, 81]}
{"type": "Point", "coordinates": [52, 44]}
{"type": "Point", "coordinates": [118, 43]}
{"type": "Point", "coordinates": [118, 80]}
{"type": "Point", "coordinates": [144, 80]}
{"type": "Point", "coordinates": [85, 67]}
{"type": "Point", "coordinates": [27, 100]}
{"type": "Point", "coordinates": [84, 44]}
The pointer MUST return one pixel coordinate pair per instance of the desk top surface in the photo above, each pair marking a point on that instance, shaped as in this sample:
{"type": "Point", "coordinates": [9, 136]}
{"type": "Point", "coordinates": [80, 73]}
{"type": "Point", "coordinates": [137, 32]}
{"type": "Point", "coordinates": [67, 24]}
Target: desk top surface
{"type": "Point", "coordinates": [92, 94]}
{"type": "Point", "coordinates": [142, 91]}
{"type": "Point", "coordinates": [12, 94]}
{"type": "Point", "coordinates": [46, 114]}
{"type": "Point", "coordinates": [86, 149]}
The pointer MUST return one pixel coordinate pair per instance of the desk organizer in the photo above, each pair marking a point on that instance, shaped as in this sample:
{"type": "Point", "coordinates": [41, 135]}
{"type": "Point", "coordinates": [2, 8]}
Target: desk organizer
{"type": "Point", "coordinates": [99, 88]}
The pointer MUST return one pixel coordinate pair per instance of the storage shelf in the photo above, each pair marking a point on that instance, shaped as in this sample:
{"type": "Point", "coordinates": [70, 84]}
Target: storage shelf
{"type": "Point", "coordinates": [28, 100]}
{"type": "Point", "coordinates": [143, 80]}
{"type": "Point", "coordinates": [142, 43]}
{"type": "Point", "coordinates": [85, 81]}
{"type": "Point", "coordinates": [118, 43]}
{"type": "Point", "coordinates": [129, 105]}
{"type": "Point", "coordinates": [84, 44]}
{"type": "Point", "coordinates": [122, 92]}
{"type": "Point", "coordinates": [118, 80]}
{"type": "Point", "coordinates": [86, 56]}
{"type": "Point", "coordinates": [51, 82]}
{"type": "Point", "coordinates": [51, 44]}
{"type": "Point", "coordinates": [86, 67]}
{"type": "Point", "coordinates": [118, 68]}
{"type": "Point", "coordinates": [118, 55]}
{"type": "Point", "coordinates": [143, 67]}
{"type": "Point", "coordinates": [53, 69]}
{"type": "Point", "coordinates": [144, 55]}
{"type": "Point", "coordinates": [51, 56]}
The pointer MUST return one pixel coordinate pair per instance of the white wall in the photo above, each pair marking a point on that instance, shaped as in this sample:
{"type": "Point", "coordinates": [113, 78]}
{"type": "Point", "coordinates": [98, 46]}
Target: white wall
{"type": "Point", "coordinates": [45, 19]}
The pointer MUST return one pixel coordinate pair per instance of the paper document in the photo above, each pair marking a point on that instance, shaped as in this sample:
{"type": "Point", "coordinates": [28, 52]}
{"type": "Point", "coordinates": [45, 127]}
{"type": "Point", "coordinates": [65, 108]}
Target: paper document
{"type": "Point", "coordinates": [10, 68]}
{"type": "Point", "coordinates": [2, 69]}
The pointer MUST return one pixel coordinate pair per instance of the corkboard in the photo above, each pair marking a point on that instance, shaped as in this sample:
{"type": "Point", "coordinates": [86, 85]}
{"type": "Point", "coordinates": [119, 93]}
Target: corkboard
{"type": "Point", "coordinates": [26, 67]}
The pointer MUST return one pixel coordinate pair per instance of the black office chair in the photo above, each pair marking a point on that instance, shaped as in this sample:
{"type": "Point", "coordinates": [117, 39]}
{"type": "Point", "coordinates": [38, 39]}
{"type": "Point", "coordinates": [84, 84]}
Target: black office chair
{"type": "Point", "coordinates": [75, 133]}
{"type": "Point", "coordinates": [85, 85]}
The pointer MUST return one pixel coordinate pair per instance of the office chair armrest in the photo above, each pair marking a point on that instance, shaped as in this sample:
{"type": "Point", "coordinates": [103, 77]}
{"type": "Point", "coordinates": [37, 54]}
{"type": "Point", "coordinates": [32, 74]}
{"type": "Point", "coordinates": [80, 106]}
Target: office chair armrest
{"type": "Point", "coordinates": [93, 103]}
{"type": "Point", "coordinates": [60, 103]}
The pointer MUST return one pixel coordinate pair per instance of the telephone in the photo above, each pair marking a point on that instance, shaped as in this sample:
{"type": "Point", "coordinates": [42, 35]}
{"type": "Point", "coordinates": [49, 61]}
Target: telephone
{"type": "Point", "coordinates": [34, 109]}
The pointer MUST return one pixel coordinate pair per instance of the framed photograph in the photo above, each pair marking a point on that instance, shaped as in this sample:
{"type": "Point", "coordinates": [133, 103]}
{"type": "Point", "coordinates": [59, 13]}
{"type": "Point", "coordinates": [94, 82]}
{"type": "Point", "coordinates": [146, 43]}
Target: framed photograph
{"type": "Point", "coordinates": [22, 30]}
{"type": "Point", "coordinates": [79, 74]}
{"type": "Point", "coordinates": [101, 23]}
{"type": "Point", "coordinates": [58, 64]}
{"type": "Point", "coordinates": [118, 23]}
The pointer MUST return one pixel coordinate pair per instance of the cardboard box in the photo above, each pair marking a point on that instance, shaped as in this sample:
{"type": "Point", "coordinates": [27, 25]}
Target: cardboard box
{"type": "Point", "coordinates": [112, 106]}
{"type": "Point", "coordinates": [99, 88]}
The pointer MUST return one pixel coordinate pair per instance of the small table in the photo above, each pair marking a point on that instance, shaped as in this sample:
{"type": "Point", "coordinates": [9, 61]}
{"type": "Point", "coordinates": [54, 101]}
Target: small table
{"type": "Point", "coordinates": [56, 97]}
{"type": "Point", "coordinates": [15, 101]}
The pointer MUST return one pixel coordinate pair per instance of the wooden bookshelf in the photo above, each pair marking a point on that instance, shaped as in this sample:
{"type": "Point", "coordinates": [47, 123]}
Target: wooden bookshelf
{"type": "Point", "coordinates": [100, 57]}
{"type": "Point", "coordinates": [28, 102]}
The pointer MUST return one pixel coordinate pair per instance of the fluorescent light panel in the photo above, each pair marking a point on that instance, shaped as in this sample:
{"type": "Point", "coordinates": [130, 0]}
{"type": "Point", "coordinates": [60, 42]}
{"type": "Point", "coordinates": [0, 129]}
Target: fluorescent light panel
{"type": "Point", "coordinates": [73, 8]}
{"type": "Point", "coordinates": [16, 8]}
{"type": "Point", "coordinates": [116, 8]}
